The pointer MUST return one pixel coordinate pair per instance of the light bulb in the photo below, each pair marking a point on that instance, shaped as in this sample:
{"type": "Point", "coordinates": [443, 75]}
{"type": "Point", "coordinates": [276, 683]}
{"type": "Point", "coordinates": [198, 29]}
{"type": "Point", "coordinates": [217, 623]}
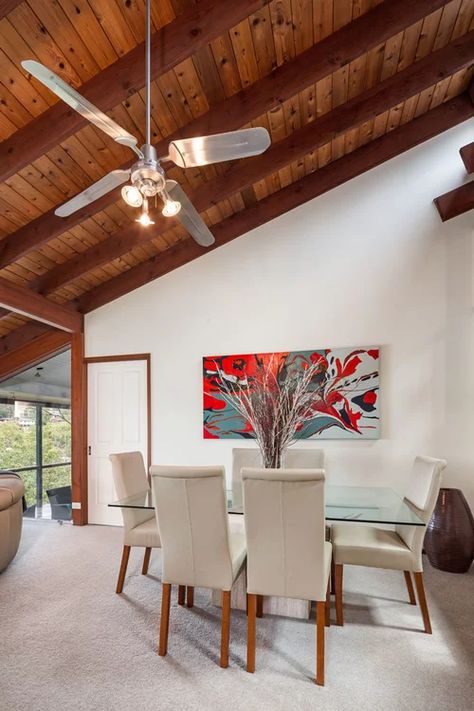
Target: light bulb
{"type": "Point", "coordinates": [171, 208]}
{"type": "Point", "coordinates": [145, 219]}
{"type": "Point", "coordinates": [132, 196]}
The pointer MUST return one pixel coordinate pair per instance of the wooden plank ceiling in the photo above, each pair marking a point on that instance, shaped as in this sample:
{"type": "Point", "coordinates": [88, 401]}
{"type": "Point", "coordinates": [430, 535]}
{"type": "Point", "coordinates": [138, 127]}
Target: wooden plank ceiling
{"type": "Point", "coordinates": [340, 84]}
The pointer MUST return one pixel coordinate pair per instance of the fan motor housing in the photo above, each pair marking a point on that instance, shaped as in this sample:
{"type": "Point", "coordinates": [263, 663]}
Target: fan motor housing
{"type": "Point", "coordinates": [147, 174]}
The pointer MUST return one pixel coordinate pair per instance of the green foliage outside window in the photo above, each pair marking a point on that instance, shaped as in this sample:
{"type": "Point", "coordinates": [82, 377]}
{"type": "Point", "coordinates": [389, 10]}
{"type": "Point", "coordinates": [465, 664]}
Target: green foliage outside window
{"type": "Point", "coordinates": [18, 447]}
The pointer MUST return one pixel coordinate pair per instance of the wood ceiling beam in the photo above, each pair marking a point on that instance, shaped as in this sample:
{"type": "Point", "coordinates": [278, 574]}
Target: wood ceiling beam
{"type": "Point", "coordinates": [170, 45]}
{"type": "Point", "coordinates": [364, 107]}
{"type": "Point", "coordinates": [321, 60]}
{"type": "Point", "coordinates": [471, 90]}
{"type": "Point", "coordinates": [6, 6]}
{"type": "Point", "coordinates": [321, 181]}
{"type": "Point", "coordinates": [467, 156]}
{"type": "Point", "coordinates": [23, 301]}
{"type": "Point", "coordinates": [456, 202]}
{"type": "Point", "coordinates": [40, 345]}
{"type": "Point", "coordinates": [23, 335]}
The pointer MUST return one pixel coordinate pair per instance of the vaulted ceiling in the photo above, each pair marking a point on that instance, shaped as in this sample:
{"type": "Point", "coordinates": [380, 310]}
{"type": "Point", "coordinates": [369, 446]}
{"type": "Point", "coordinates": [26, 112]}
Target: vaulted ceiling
{"type": "Point", "coordinates": [341, 85]}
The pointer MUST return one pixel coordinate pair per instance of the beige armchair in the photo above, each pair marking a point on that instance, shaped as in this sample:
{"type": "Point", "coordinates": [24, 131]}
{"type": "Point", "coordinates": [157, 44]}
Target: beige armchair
{"type": "Point", "coordinates": [139, 526]}
{"type": "Point", "coordinates": [11, 516]}
{"type": "Point", "coordinates": [401, 549]}
{"type": "Point", "coordinates": [198, 549]}
{"type": "Point", "coordinates": [286, 548]}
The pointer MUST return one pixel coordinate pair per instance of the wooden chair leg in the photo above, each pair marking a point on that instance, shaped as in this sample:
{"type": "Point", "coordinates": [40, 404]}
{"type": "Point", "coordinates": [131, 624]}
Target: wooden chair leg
{"type": "Point", "coordinates": [146, 561]}
{"type": "Point", "coordinates": [338, 587]}
{"type": "Point", "coordinates": [123, 568]}
{"type": "Point", "coordinates": [409, 582]}
{"type": "Point", "coordinates": [251, 623]}
{"type": "Point", "coordinates": [181, 594]}
{"type": "Point", "coordinates": [259, 605]}
{"type": "Point", "coordinates": [328, 605]}
{"type": "Point", "coordinates": [225, 630]}
{"type": "Point", "coordinates": [333, 576]}
{"type": "Point", "coordinates": [190, 596]}
{"type": "Point", "coordinates": [420, 589]}
{"type": "Point", "coordinates": [165, 619]}
{"type": "Point", "coordinates": [320, 632]}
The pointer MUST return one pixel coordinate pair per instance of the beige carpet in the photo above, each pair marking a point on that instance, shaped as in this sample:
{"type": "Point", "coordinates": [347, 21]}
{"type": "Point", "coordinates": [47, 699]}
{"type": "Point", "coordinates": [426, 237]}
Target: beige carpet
{"type": "Point", "coordinates": [67, 641]}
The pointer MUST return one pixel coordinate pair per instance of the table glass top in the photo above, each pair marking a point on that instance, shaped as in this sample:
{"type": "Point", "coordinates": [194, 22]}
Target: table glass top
{"type": "Point", "coordinates": [367, 504]}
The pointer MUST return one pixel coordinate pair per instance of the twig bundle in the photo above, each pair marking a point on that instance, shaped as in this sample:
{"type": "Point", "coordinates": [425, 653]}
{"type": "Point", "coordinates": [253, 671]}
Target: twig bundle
{"type": "Point", "coordinates": [276, 404]}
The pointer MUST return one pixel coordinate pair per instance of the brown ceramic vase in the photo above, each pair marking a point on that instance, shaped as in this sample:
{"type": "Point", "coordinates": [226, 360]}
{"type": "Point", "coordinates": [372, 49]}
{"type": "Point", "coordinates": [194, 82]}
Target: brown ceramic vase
{"type": "Point", "coordinates": [449, 541]}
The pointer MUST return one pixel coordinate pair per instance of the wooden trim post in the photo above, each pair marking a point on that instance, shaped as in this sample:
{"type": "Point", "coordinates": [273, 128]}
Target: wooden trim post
{"type": "Point", "coordinates": [79, 430]}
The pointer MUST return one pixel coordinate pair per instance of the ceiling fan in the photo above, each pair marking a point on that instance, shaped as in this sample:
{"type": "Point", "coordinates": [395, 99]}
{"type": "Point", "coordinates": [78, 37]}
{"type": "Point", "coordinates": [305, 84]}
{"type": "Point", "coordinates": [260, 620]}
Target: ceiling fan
{"type": "Point", "coordinates": [147, 177]}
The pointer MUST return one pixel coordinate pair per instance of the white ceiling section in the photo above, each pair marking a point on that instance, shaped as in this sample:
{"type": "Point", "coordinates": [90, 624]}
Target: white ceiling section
{"type": "Point", "coordinates": [53, 384]}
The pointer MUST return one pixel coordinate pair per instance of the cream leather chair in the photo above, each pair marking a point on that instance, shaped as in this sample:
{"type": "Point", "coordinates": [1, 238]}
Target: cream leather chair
{"type": "Point", "coordinates": [198, 548]}
{"type": "Point", "coordinates": [242, 457]}
{"type": "Point", "coordinates": [286, 548]}
{"type": "Point", "coordinates": [401, 549]}
{"type": "Point", "coordinates": [293, 458]}
{"type": "Point", "coordinates": [307, 458]}
{"type": "Point", "coordinates": [139, 526]}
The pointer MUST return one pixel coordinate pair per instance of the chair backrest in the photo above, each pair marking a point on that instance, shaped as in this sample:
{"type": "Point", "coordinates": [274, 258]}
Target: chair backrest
{"type": "Point", "coordinates": [129, 473]}
{"type": "Point", "coordinates": [307, 458]}
{"type": "Point", "coordinates": [242, 458]}
{"type": "Point", "coordinates": [293, 458]}
{"type": "Point", "coordinates": [422, 493]}
{"type": "Point", "coordinates": [285, 528]}
{"type": "Point", "coordinates": [191, 511]}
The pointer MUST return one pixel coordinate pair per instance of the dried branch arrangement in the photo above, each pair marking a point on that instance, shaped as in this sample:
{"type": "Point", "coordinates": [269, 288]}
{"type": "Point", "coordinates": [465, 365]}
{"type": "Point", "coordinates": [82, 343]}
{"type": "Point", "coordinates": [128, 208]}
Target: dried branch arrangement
{"type": "Point", "coordinates": [276, 403]}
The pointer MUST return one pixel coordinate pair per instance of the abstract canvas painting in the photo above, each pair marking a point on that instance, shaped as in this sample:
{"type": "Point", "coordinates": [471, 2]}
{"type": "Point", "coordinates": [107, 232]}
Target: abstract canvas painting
{"type": "Point", "coordinates": [345, 387]}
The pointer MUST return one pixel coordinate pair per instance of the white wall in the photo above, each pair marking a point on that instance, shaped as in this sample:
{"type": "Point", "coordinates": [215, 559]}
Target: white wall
{"type": "Point", "coordinates": [368, 263]}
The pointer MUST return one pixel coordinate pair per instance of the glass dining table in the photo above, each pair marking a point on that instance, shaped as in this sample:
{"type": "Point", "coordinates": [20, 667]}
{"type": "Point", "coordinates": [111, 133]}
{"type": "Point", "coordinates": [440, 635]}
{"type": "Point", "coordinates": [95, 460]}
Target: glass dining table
{"type": "Point", "coordinates": [364, 504]}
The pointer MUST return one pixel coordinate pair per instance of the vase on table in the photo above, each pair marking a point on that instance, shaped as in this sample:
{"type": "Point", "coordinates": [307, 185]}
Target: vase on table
{"type": "Point", "coordinates": [449, 540]}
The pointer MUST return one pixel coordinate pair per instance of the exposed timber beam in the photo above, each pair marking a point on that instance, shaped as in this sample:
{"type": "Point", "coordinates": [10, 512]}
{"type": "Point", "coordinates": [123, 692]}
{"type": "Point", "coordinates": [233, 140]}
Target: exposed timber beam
{"type": "Point", "coordinates": [321, 181]}
{"type": "Point", "coordinates": [40, 345]}
{"type": "Point", "coordinates": [467, 156]}
{"type": "Point", "coordinates": [456, 202]}
{"type": "Point", "coordinates": [23, 335]}
{"type": "Point", "coordinates": [364, 107]}
{"type": "Point", "coordinates": [23, 301]}
{"type": "Point", "coordinates": [6, 6]}
{"type": "Point", "coordinates": [172, 44]}
{"type": "Point", "coordinates": [317, 62]}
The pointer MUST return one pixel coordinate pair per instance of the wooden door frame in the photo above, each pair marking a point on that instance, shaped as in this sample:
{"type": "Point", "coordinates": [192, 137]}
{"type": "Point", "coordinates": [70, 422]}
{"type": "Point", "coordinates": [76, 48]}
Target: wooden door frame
{"type": "Point", "coordinates": [82, 519]}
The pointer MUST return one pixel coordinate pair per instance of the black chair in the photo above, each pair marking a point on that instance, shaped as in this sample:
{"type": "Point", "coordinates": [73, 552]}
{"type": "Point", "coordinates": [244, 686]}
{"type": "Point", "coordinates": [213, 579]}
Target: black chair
{"type": "Point", "coordinates": [60, 500]}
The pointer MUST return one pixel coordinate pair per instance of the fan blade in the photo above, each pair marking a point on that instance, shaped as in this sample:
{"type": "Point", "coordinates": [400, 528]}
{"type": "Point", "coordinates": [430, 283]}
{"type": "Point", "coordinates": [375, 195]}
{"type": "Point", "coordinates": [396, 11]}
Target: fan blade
{"type": "Point", "coordinates": [189, 216]}
{"type": "Point", "coordinates": [84, 107]}
{"type": "Point", "coordinates": [94, 192]}
{"type": "Point", "coordinates": [190, 152]}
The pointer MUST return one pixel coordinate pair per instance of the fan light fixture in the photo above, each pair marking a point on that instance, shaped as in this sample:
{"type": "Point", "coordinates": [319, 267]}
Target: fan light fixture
{"type": "Point", "coordinates": [171, 208]}
{"type": "Point", "coordinates": [145, 177]}
{"type": "Point", "coordinates": [132, 196]}
{"type": "Point", "coordinates": [145, 219]}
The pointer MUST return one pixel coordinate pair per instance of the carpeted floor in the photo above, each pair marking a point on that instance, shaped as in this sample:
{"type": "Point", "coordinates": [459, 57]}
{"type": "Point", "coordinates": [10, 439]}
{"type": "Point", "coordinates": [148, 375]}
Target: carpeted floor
{"type": "Point", "coordinates": [67, 641]}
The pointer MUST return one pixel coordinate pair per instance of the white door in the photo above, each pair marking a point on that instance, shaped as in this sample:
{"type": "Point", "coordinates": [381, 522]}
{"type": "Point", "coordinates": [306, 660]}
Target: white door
{"type": "Point", "coordinates": [117, 422]}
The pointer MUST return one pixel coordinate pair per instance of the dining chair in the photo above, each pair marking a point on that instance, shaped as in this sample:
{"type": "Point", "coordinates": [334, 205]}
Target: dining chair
{"type": "Point", "coordinates": [198, 548]}
{"type": "Point", "coordinates": [303, 458]}
{"type": "Point", "coordinates": [242, 457]}
{"type": "Point", "coordinates": [139, 526]}
{"type": "Point", "coordinates": [293, 458]}
{"type": "Point", "coordinates": [400, 549]}
{"type": "Point", "coordinates": [287, 554]}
